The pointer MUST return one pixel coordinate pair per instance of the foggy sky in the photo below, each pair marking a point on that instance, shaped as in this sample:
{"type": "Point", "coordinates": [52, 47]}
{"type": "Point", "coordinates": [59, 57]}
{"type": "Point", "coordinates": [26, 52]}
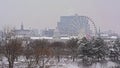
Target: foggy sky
{"type": "Point", "coordinates": [46, 13]}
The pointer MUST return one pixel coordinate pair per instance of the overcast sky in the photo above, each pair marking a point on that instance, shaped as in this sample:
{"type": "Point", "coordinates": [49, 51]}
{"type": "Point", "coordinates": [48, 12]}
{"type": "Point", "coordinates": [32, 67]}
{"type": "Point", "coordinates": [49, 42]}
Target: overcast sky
{"type": "Point", "coordinates": [46, 13]}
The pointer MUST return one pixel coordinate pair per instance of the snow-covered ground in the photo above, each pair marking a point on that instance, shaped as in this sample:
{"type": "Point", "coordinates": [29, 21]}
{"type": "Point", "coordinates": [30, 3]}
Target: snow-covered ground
{"type": "Point", "coordinates": [64, 63]}
{"type": "Point", "coordinates": [69, 65]}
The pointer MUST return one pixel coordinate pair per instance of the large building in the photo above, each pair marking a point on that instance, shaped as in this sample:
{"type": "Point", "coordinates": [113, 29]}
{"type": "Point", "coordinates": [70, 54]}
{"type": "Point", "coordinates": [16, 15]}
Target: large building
{"type": "Point", "coordinates": [73, 25]}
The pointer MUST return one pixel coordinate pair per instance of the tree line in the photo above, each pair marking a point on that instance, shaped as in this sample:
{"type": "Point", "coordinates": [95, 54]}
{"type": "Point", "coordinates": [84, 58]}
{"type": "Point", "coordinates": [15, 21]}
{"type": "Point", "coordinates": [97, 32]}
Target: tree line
{"type": "Point", "coordinates": [39, 52]}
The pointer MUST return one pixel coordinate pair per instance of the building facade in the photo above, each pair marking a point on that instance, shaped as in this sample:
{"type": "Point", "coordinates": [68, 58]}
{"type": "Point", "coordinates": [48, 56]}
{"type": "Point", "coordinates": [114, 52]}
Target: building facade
{"type": "Point", "coordinates": [73, 25]}
{"type": "Point", "coordinates": [48, 32]}
{"type": "Point", "coordinates": [25, 32]}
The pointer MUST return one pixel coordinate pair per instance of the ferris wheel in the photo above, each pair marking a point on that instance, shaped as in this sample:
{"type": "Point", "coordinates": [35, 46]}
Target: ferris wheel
{"type": "Point", "coordinates": [76, 24]}
{"type": "Point", "coordinates": [92, 26]}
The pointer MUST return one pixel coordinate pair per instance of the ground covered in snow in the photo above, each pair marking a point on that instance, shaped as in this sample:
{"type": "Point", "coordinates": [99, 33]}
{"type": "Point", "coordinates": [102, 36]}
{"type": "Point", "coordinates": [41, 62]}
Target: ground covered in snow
{"type": "Point", "coordinates": [62, 64]}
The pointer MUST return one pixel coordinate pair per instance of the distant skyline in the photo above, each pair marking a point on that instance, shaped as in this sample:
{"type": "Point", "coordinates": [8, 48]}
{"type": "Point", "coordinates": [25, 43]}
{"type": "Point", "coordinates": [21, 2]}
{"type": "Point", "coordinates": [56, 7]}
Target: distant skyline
{"type": "Point", "coordinates": [40, 14]}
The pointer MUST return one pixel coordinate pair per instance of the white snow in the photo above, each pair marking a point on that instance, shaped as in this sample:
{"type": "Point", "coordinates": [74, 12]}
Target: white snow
{"type": "Point", "coordinates": [64, 63]}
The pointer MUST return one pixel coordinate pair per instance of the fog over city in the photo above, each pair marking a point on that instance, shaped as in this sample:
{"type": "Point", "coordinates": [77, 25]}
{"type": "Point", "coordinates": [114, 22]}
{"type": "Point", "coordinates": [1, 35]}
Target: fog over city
{"type": "Point", "coordinates": [42, 14]}
{"type": "Point", "coordinates": [59, 34]}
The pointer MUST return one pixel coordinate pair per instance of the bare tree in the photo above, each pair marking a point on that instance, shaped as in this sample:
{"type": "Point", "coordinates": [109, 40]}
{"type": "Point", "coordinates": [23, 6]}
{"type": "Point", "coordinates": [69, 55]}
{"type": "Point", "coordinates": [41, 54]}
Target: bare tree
{"type": "Point", "coordinates": [1, 51]}
{"type": "Point", "coordinates": [12, 46]}
{"type": "Point", "coordinates": [12, 49]}
{"type": "Point", "coordinates": [42, 52]}
{"type": "Point", "coordinates": [72, 46]}
{"type": "Point", "coordinates": [28, 53]}
{"type": "Point", "coordinates": [58, 48]}
{"type": "Point", "coordinates": [8, 33]}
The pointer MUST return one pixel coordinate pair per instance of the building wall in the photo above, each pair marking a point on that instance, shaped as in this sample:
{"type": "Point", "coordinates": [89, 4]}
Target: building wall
{"type": "Point", "coordinates": [48, 32]}
{"type": "Point", "coordinates": [71, 25]}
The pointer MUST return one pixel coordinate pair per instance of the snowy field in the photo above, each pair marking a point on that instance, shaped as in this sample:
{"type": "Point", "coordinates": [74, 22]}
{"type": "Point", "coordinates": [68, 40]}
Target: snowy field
{"type": "Point", "coordinates": [64, 63]}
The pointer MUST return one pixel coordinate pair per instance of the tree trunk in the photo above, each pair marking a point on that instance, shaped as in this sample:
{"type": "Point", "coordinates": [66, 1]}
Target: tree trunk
{"type": "Point", "coordinates": [58, 57]}
{"type": "Point", "coordinates": [10, 64]}
{"type": "Point", "coordinates": [43, 64]}
{"type": "Point", "coordinates": [73, 58]}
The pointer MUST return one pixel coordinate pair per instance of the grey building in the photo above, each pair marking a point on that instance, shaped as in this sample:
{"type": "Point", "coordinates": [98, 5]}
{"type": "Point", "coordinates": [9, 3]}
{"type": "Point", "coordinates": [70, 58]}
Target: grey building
{"type": "Point", "coordinates": [25, 32]}
{"type": "Point", "coordinates": [48, 32]}
{"type": "Point", "coordinates": [73, 25]}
